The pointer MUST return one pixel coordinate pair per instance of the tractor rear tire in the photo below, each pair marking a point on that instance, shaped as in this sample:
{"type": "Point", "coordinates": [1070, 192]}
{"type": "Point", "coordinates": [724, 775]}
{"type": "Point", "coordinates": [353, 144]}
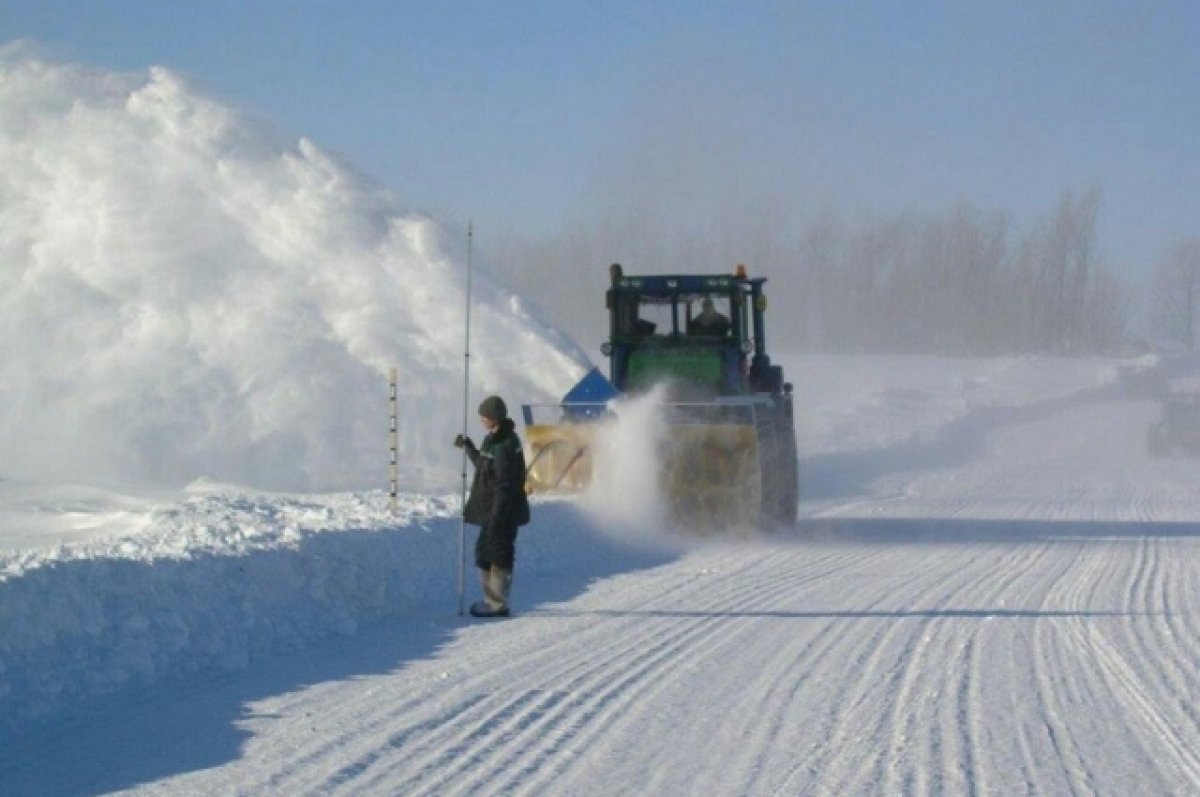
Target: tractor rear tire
{"type": "Point", "coordinates": [778, 465]}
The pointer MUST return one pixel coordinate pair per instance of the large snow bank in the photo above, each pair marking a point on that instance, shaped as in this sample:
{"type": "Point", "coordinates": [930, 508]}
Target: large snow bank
{"type": "Point", "coordinates": [226, 576]}
{"type": "Point", "coordinates": [184, 295]}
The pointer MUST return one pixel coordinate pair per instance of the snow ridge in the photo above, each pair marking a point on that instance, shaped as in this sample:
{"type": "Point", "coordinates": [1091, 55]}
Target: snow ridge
{"type": "Point", "coordinates": [225, 578]}
{"type": "Point", "coordinates": [215, 582]}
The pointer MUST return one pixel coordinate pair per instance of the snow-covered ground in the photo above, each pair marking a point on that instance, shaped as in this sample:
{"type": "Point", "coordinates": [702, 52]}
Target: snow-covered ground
{"type": "Point", "coordinates": [990, 591]}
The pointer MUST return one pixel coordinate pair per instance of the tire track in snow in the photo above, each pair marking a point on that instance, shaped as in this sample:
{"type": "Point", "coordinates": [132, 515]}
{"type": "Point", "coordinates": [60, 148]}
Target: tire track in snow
{"type": "Point", "coordinates": [1049, 658]}
{"type": "Point", "coordinates": [795, 668]}
{"type": "Point", "coordinates": [786, 584]}
{"type": "Point", "coordinates": [1172, 643]}
{"type": "Point", "coordinates": [765, 589]}
{"type": "Point", "coordinates": [941, 649]}
{"type": "Point", "coordinates": [645, 648]}
{"type": "Point", "coordinates": [866, 699]}
{"type": "Point", "coordinates": [772, 579]}
{"type": "Point", "coordinates": [595, 692]}
{"type": "Point", "coordinates": [1147, 693]}
{"type": "Point", "coordinates": [853, 698]}
{"type": "Point", "coordinates": [373, 730]}
{"type": "Point", "coordinates": [1014, 581]}
{"type": "Point", "coordinates": [1139, 671]}
{"type": "Point", "coordinates": [907, 695]}
{"type": "Point", "coordinates": [787, 665]}
{"type": "Point", "coordinates": [1029, 738]}
{"type": "Point", "coordinates": [951, 734]}
{"type": "Point", "coordinates": [1022, 586]}
{"type": "Point", "coordinates": [370, 722]}
{"type": "Point", "coordinates": [931, 717]}
{"type": "Point", "coordinates": [805, 686]}
{"type": "Point", "coordinates": [764, 708]}
{"type": "Point", "coordinates": [1091, 688]}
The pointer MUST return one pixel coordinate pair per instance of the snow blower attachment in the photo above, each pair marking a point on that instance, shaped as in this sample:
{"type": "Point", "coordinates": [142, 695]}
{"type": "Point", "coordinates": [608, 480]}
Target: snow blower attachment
{"type": "Point", "coordinates": [727, 457]}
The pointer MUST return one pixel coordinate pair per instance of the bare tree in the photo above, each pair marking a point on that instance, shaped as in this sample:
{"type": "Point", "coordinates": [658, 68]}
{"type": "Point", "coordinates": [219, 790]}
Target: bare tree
{"type": "Point", "coordinates": [1177, 294]}
{"type": "Point", "coordinates": [1062, 270]}
{"type": "Point", "coordinates": [955, 283]}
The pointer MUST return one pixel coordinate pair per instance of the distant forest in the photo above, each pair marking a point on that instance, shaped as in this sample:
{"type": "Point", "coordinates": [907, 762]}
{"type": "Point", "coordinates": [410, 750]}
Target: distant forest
{"type": "Point", "coordinates": [958, 283]}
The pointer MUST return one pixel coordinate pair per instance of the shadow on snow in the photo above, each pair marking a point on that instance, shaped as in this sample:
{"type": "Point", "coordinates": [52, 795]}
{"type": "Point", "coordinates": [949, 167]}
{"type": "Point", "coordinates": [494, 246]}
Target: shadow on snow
{"type": "Point", "coordinates": [955, 531]}
{"type": "Point", "coordinates": [168, 725]}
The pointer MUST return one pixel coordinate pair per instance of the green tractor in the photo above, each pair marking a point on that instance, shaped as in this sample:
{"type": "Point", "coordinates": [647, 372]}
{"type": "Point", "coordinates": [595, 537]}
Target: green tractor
{"type": "Point", "coordinates": [729, 458]}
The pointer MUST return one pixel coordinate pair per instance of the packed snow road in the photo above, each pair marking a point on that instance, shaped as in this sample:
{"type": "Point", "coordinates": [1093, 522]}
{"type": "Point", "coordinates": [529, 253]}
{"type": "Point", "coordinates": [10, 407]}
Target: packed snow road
{"type": "Point", "coordinates": [1008, 608]}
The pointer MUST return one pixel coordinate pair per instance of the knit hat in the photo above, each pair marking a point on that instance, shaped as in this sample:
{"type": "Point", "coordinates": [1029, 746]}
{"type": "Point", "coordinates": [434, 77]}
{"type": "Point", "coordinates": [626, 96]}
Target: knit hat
{"type": "Point", "coordinates": [493, 408]}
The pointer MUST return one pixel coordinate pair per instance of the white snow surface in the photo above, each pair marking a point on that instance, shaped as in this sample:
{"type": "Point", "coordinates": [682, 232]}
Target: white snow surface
{"type": "Point", "coordinates": [991, 590]}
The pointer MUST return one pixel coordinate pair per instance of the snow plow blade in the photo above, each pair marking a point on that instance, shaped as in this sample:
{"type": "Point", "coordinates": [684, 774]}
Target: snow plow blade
{"type": "Point", "coordinates": [560, 457]}
{"type": "Point", "coordinates": [709, 474]}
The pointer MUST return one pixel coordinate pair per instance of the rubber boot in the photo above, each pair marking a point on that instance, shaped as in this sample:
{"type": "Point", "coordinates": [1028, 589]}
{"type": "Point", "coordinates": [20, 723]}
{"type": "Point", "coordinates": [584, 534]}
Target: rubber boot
{"type": "Point", "coordinates": [482, 608]}
{"type": "Point", "coordinates": [501, 581]}
{"type": "Point", "coordinates": [497, 584]}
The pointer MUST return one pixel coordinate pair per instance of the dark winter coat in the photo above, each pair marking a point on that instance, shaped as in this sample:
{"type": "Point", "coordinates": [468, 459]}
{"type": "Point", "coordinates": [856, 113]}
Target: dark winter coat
{"type": "Point", "coordinates": [497, 504]}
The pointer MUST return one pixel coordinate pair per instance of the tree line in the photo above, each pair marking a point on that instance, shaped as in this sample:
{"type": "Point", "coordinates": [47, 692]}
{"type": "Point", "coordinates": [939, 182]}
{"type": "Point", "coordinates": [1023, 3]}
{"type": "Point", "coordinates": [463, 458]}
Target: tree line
{"type": "Point", "coordinates": [962, 282]}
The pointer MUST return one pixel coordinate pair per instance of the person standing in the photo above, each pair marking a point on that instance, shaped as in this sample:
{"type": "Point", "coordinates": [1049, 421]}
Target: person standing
{"type": "Point", "coordinates": [497, 504]}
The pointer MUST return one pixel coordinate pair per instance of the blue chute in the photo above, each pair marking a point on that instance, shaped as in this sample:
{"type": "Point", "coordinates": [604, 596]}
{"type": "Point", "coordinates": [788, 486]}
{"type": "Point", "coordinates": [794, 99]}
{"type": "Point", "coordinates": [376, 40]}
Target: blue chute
{"type": "Point", "coordinates": [588, 397]}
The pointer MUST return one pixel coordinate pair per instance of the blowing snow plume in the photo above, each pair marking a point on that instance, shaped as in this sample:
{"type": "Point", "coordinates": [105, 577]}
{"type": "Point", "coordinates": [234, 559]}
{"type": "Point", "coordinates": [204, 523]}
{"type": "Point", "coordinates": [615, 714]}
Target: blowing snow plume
{"type": "Point", "coordinates": [182, 295]}
{"type": "Point", "coordinates": [625, 494]}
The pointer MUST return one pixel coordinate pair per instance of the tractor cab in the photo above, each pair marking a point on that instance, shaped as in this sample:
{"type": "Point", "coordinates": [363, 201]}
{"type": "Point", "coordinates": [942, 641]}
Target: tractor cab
{"type": "Point", "coordinates": [701, 336]}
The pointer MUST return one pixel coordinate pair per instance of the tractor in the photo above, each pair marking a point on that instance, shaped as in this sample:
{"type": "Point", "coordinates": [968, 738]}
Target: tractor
{"type": "Point", "coordinates": [729, 457]}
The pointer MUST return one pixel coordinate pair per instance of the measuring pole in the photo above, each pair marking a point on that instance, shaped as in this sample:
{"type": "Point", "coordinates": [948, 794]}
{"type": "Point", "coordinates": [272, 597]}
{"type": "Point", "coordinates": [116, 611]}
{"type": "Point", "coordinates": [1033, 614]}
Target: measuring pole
{"type": "Point", "coordinates": [393, 440]}
{"type": "Point", "coordinates": [462, 525]}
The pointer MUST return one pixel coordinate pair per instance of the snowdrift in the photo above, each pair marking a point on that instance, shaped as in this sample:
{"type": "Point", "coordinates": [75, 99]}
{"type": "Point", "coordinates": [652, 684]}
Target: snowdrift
{"type": "Point", "coordinates": [184, 294]}
{"type": "Point", "coordinates": [226, 577]}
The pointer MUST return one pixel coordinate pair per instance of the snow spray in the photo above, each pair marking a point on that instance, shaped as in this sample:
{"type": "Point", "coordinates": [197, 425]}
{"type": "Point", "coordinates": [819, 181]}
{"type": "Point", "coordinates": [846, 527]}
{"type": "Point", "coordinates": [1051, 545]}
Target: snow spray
{"type": "Point", "coordinates": [188, 294]}
{"type": "Point", "coordinates": [625, 495]}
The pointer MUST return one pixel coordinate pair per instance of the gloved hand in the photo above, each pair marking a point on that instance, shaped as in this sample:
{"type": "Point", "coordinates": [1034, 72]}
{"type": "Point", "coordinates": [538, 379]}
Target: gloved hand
{"type": "Point", "coordinates": [460, 441]}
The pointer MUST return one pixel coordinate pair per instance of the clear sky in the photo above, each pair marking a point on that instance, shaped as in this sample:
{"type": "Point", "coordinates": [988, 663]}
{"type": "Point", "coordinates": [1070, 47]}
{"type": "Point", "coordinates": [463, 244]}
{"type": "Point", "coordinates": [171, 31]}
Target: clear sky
{"type": "Point", "coordinates": [523, 116]}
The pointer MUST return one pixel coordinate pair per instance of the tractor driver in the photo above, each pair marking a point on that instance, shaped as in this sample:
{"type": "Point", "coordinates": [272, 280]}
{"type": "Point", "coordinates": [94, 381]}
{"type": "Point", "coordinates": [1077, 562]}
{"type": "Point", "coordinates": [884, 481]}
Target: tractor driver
{"type": "Point", "coordinates": [709, 322]}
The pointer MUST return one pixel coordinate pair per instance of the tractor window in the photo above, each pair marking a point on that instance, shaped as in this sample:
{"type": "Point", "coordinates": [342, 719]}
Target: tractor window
{"type": "Point", "coordinates": [630, 319]}
{"type": "Point", "coordinates": [658, 314]}
{"type": "Point", "coordinates": [700, 315]}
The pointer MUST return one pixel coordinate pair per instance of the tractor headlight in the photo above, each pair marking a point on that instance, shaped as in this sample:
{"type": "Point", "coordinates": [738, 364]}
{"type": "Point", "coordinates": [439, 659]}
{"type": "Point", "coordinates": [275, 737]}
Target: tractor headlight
{"type": "Point", "coordinates": [606, 348]}
{"type": "Point", "coordinates": [747, 346]}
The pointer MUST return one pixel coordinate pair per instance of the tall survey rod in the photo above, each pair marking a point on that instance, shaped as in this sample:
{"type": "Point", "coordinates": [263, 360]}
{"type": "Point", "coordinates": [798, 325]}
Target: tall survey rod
{"type": "Point", "coordinates": [393, 440]}
{"type": "Point", "coordinates": [462, 525]}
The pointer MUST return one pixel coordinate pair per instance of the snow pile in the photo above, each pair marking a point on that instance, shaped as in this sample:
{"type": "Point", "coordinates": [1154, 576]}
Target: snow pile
{"type": "Point", "coordinates": [208, 585]}
{"type": "Point", "coordinates": [227, 576]}
{"type": "Point", "coordinates": [183, 295]}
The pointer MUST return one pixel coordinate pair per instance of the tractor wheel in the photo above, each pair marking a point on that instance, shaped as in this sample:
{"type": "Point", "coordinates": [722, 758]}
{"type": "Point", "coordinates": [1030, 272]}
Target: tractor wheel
{"type": "Point", "coordinates": [778, 465]}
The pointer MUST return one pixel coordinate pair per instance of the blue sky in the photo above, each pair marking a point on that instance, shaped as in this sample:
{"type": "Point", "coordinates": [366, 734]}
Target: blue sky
{"type": "Point", "coordinates": [524, 116]}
